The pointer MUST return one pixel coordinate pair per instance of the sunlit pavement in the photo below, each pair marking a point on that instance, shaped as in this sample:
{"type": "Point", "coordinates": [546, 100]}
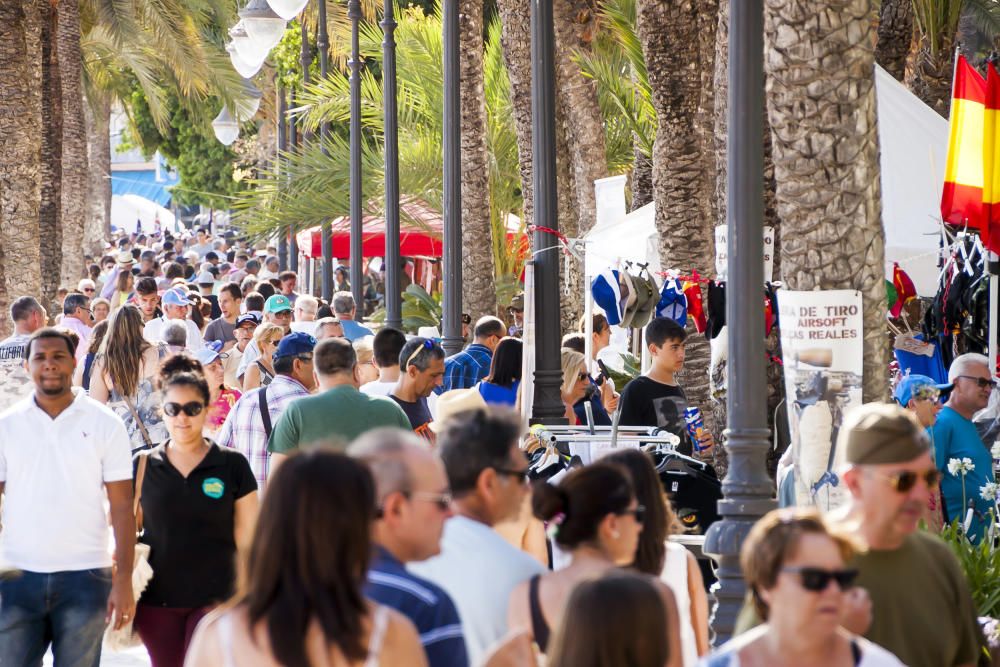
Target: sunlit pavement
{"type": "Point", "coordinates": [134, 657]}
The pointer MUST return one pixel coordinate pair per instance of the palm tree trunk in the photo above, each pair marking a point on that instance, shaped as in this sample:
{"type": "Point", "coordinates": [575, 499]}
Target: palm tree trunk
{"type": "Point", "coordinates": [20, 157]}
{"type": "Point", "coordinates": [575, 23]}
{"type": "Point", "coordinates": [74, 141]}
{"type": "Point", "coordinates": [49, 213]}
{"type": "Point", "coordinates": [895, 34]}
{"type": "Point", "coordinates": [929, 72]}
{"type": "Point", "coordinates": [670, 44]}
{"type": "Point", "coordinates": [97, 114]}
{"type": "Point", "coordinates": [821, 105]}
{"type": "Point", "coordinates": [478, 288]}
{"type": "Point", "coordinates": [515, 38]}
{"type": "Point", "coordinates": [640, 181]}
{"type": "Point", "coordinates": [571, 277]}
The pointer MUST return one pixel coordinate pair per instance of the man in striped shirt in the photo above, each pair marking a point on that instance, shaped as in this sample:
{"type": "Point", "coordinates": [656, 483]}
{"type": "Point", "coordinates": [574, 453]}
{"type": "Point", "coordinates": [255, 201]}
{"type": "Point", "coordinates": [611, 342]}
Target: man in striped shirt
{"type": "Point", "coordinates": [413, 503]}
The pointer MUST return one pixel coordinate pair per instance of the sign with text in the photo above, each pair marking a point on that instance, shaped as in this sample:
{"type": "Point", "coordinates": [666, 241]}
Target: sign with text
{"type": "Point", "coordinates": [722, 252]}
{"type": "Point", "coordinates": [822, 350]}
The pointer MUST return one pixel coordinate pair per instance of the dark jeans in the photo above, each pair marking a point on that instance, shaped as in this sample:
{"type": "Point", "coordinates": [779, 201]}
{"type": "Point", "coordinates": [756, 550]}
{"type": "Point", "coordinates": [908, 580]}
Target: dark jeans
{"type": "Point", "coordinates": [167, 631]}
{"type": "Point", "coordinates": [66, 609]}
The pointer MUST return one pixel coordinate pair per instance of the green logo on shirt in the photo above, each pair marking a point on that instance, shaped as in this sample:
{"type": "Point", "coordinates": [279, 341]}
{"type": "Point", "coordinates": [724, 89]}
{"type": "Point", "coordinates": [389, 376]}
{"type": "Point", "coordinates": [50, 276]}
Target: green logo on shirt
{"type": "Point", "coordinates": [213, 487]}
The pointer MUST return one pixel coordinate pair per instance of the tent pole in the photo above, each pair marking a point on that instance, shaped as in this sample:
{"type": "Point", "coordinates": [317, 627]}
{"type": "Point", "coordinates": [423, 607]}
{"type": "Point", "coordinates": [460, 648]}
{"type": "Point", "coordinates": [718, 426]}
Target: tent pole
{"type": "Point", "coordinates": [992, 331]}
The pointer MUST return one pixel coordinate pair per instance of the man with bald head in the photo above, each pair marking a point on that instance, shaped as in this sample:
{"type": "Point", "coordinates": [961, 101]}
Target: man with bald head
{"type": "Point", "coordinates": [413, 503]}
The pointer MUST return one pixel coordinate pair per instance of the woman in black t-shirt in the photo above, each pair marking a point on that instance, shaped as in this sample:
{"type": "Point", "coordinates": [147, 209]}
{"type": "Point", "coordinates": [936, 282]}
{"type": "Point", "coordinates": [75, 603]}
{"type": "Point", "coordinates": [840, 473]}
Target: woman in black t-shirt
{"type": "Point", "coordinates": [199, 507]}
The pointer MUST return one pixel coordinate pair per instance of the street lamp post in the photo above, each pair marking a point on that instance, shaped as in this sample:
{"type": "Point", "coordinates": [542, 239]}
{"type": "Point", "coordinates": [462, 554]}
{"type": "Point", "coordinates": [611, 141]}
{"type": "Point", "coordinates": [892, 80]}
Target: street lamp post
{"type": "Point", "coordinates": [747, 490]}
{"type": "Point", "coordinates": [357, 270]}
{"type": "Point", "coordinates": [282, 147]}
{"type": "Point", "coordinates": [548, 405]}
{"type": "Point", "coordinates": [452, 194]}
{"type": "Point", "coordinates": [323, 46]}
{"type": "Point", "coordinates": [293, 144]}
{"type": "Point", "coordinates": [393, 309]}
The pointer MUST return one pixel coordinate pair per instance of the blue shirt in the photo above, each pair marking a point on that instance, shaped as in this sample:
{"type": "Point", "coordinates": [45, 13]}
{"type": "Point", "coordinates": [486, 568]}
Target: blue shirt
{"type": "Point", "coordinates": [425, 604]}
{"type": "Point", "coordinates": [353, 330]}
{"type": "Point", "coordinates": [955, 437]}
{"type": "Point", "coordinates": [465, 369]}
{"type": "Point", "coordinates": [497, 395]}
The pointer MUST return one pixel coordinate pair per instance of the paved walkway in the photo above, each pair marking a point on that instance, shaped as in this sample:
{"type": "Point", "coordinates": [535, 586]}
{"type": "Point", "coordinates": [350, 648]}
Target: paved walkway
{"type": "Point", "coordinates": [134, 657]}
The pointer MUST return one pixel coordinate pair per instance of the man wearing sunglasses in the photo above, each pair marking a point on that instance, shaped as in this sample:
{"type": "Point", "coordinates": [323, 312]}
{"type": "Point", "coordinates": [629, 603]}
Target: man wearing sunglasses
{"type": "Point", "coordinates": [413, 504]}
{"type": "Point", "coordinates": [956, 437]}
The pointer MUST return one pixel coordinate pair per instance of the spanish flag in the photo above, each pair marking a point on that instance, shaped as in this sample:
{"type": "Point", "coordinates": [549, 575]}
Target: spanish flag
{"type": "Point", "coordinates": [964, 178]}
{"type": "Point", "coordinates": [990, 230]}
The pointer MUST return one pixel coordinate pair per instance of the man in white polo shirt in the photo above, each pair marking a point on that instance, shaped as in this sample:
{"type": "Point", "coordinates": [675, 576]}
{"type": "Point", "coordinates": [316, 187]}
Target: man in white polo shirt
{"type": "Point", "coordinates": [175, 307]}
{"type": "Point", "coordinates": [61, 455]}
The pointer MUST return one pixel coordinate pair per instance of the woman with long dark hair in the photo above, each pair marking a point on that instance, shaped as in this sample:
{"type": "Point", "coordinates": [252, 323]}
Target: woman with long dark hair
{"type": "Point", "coordinates": [301, 603]}
{"type": "Point", "coordinates": [199, 507]}
{"type": "Point", "coordinates": [501, 385]}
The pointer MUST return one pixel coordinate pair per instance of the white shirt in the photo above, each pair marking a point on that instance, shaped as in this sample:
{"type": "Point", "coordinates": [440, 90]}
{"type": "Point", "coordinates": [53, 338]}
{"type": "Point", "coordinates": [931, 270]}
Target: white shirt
{"type": "Point", "coordinates": [153, 332]}
{"type": "Point", "coordinates": [250, 355]}
{"type": "Point", "coordinates": [308, 327]}
{"type": "Point", "coordinates": [54, 471]}
{"type": "Point", "coordinates": [378, 388]}
{"type": "Point", "coordinates": [478, 569]}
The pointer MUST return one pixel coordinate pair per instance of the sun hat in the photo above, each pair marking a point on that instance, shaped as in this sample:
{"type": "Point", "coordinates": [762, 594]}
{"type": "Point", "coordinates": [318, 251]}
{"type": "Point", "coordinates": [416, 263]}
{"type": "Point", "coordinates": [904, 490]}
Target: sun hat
{"type": "Point", "coordinates": [125, 257]}
{"type": "Point", "coordinates": [453, 402]}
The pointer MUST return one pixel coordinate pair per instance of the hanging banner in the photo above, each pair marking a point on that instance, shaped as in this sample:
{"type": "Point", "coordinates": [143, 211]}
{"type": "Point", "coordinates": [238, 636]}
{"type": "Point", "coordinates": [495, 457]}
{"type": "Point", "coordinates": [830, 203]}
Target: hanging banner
{"type": "Point", "coordinates": [722, 253]}
{"type": "Point", "coordinates": [822, 350]}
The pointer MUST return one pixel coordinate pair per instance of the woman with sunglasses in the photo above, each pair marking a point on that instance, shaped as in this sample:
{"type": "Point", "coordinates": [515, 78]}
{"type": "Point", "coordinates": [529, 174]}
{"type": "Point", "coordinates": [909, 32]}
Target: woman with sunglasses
{"type": "Point", "coordinates": [594, 516]}
{"type": "Point", "coordinates": [576, 381]}
{"type": "Point", "coordinates": [198, 510]}
{"type": "Point", "coordinates": [261, 371]}
{"type": "Point", "coordinates": [222, 397]}
{"type": "Point", "coordinates": [795, 568]}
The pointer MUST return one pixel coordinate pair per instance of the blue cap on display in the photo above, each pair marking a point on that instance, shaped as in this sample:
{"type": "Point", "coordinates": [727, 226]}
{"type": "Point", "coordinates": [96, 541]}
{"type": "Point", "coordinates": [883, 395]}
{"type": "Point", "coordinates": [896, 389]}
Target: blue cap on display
{"type": "Point", "coordinates": [607, 295]}
{"type": "Point", "coordinates": [176, 297]}
{"type": "Point", "coordinates": [294, 344]}
{"type": "Point", "coordinates": [910, 385]}
{"type": "Point", "coordinates": [673, 304]}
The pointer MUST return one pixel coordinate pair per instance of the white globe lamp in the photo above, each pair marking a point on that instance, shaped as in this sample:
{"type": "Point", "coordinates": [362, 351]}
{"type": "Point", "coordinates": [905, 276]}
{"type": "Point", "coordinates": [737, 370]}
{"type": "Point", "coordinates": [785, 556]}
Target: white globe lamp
{"type": "Point", "coordinates": [287, 9]}
{"type": "Point", "coordinates": [263, 26]}
{"type": "Point", "coordinates": [245, 69]}
{"type": "Point", "coordinates": [227, 130]}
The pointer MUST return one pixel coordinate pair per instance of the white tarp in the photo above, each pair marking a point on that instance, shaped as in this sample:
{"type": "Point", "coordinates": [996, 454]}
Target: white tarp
{"type": "Point", "coordinates": [913, 141]}
{"type": "Point", "coordinates": [127, 210]}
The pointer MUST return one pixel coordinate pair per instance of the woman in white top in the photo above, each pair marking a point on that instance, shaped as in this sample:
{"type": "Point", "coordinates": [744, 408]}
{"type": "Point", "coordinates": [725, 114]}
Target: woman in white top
{"type": "Point", "coordinates": [671, 562]}
{"type": "Point", "coordinates": [794, 566]}
{"type": "Point", "coordinates": [301, 604]}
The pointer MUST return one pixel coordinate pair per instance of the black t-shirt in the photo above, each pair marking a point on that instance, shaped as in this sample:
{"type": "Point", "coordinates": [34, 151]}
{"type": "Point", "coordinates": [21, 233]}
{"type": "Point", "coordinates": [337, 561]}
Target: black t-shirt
{"type": "Point", "coordinates": [188, 525]}
{"type": "Point", "coordinates": [646, 402]}
{"type": "Point", "coordinates": [417, 412]}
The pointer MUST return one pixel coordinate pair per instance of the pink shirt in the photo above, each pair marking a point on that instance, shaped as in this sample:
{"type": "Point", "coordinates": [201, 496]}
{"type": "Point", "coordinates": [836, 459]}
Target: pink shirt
{"type": "Point", "coordinates": [81, 330]}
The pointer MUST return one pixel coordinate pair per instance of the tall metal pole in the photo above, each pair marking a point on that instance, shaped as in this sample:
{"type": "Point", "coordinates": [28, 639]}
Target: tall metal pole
{"type": "Point", "coordinates": [282, 147]}
{"type": "Point", "coordinates": [747, 490]}
{"type": "Point", "coordinates": [293, 144]}
{"type": "Point", "coordinates": [323, 46]}
{"type": "Point", "coordinates": [393, 307]}
{"type": "Point", "coordinates": [305, 58]}
{"type": "Point", "coordinates": [548, 406]}
{"type": "Point", "coordinates": [452, 195]}
{"type": "Point", "coordinates": [357, 270]}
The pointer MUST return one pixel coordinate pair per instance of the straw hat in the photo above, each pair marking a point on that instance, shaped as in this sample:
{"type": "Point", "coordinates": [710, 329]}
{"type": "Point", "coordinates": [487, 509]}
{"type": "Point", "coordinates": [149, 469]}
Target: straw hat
{"type": "Point", "coordinates": [453, 402]}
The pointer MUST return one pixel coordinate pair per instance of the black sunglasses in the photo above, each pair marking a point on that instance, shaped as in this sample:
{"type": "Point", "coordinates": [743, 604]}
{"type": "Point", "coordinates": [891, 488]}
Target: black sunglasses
{"type": "Point", "coordinates": [982, 383]}
{"type": "Point", "coordinates": [510, 472]}
{"type": "Point", "coordinates": [904, 480]}
{"type": "Point", "coordinates": [639, 513]}
{"type": "Point", "coordinates": [441, 500]}
{"type": "Point", "coordinates": [816, 580]}
{"type": "Point", "coordinates": [192, 409]}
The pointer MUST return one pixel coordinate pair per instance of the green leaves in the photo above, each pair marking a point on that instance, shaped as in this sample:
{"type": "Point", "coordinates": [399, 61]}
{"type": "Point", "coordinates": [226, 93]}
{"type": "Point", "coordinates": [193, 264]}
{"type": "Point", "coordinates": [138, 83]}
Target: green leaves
{"type": "Point", "coordinates": [981, 565]}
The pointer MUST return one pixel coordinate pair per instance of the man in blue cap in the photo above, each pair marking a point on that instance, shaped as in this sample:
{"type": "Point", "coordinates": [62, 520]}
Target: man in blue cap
{"type": "Point", "coordinates": [921, 395]}
{"type": "Point", "coordinates": [175, 307]}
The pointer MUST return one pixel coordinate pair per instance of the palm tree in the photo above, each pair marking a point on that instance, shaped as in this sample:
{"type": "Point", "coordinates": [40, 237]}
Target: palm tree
{"type": "Point", "coordinates": [516, 40]}
{"type": "Point", "coordinates": [895, 34]}
{"type": "Point", "coordinates": [73, 178]}
{"type": "Point", "coordinates": [821, 105]}
{"type": "Point", "coordinates": [20, 156]}
{"type": "Point", "coordinates": [50, 208]}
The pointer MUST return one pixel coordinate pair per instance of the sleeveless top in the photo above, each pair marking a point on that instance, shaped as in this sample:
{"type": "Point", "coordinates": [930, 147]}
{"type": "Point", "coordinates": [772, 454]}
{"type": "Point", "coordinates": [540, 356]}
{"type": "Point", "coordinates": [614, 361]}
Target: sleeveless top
{"type": "Point", "coordinates": [147, 406]}
{"type": "Point", "coordinates": [265, 375]}
{"type": "Point", "coordinates": [380, 624]}
{"type": "Point", "coordinates": [539, 627]}
{"type": "Point", "coordinates": [675, 575]}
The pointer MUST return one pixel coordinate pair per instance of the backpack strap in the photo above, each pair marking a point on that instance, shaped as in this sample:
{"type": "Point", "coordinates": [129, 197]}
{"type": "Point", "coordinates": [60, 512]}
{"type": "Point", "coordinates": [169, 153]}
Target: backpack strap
{"type": "Point", "coordinates": [265, 414]}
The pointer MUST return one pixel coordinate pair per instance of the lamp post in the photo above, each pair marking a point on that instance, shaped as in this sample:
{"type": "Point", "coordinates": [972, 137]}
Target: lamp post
{"type": "Point", "coordinates": [356, 259]}
{"type": "Point", "coordinates": [293, 144]}
{"type": "Point", "coordinates": [226, 129]}
{"type": "Point", "coordinates": [282, 147]}
{"type": "Point", "coordinates": [747, 489]}
{"type": "Point", "coordinates": [323, 45]}
{"type": "Point", "coordinates": [393, 310]}
{"type": "Point", "coordinates": [452, 195]}
{"type": "Point", "coordinates": [548, 405]}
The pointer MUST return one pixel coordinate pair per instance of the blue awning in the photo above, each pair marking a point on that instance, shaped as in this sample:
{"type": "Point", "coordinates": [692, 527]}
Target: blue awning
{"type": "Point", "coordinates": [144, 184]}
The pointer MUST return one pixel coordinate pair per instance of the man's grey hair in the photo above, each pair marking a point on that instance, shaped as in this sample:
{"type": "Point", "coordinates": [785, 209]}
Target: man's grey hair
{"type": "Point", "coordinates": [175, 333]}
{"type": "Point", "coordinates": [964, 363]}
{"type": "Point", "coordinates": [343, 303]}
{"type": "Point", "coordinates": [419, 352]}
{"type": "Point", "coordinates": [384, 451]}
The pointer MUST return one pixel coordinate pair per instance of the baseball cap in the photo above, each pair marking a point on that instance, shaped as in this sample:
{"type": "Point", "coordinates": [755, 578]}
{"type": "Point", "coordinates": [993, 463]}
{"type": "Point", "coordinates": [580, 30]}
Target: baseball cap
{"type": "Point", "coordinates": [176, 297]}
{"type": "Point", "coordinates": [247, 317]}
{"type": "Point", "coordinates": [206, 278]}
{"type": "Point", "coordinates": [206, 355]}
{"type": "Point", "coordinates": [294, 344]}
{"type": "Point", "coordinates": [277, 303]}
{"type": "Point", "coordinates": [911, 384]}
{"type": "Point", "coordinates": [876, 433]}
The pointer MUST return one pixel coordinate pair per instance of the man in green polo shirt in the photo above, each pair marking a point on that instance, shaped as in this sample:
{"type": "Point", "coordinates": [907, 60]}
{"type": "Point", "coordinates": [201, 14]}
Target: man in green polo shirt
{"type": "Point", "coordinates": [339, 413]}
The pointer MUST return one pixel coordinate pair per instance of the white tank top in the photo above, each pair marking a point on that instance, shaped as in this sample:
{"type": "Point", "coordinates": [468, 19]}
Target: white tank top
{"type": "Point", "coordinates": [675, 575]}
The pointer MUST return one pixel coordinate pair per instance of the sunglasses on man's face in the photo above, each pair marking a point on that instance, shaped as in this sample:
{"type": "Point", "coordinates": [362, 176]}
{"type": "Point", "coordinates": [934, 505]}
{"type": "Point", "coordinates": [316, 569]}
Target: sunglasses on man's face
{"type": "Point", "coordinates": [903, 481]}
{"type": "Point", "coordinates": [815, 580]}
{"type": "Point", "coordinates": [192, 409]}
{"type": "Point", "coordinates": [982, 383]}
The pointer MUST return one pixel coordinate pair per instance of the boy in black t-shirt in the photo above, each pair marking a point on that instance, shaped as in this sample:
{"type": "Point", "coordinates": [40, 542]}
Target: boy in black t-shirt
{"type": "Point", "coordinates": [655, 399]}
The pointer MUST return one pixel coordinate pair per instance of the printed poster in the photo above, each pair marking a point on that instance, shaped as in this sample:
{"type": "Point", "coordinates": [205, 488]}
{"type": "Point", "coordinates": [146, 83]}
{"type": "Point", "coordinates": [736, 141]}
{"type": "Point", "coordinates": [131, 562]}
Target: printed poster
{"type": "Point", "coordinates": [822, 350]}
{"type": "Point", "coordinates": [722, 252]}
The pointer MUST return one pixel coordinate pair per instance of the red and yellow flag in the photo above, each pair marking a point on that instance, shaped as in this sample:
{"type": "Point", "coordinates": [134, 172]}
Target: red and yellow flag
{"type": "Point", "coordinates": [990, 230]}
{"type": "Point", "coordinates": [964, 177]}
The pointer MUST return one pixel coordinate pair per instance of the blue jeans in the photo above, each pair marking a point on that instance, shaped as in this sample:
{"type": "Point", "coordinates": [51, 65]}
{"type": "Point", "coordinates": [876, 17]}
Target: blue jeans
{"type": "Point", "coordinates": [66, 609]}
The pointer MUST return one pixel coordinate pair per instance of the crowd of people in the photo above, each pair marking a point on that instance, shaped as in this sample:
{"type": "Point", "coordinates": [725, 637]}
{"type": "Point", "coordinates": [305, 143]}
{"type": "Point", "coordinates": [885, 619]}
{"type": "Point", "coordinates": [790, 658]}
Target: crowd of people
{"type": "Point", "coordinates": [309, 491]}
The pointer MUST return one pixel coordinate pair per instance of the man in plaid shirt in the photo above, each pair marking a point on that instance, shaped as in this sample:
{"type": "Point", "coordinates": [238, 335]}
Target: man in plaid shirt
{"type": "Point", "coordinates": [465, 369]}
{"type": "Point", "coordinates": [244, 427]}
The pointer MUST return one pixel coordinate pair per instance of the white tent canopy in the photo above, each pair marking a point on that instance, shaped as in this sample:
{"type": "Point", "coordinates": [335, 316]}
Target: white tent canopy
{"type": "Point", "coordinates": [127, 210]}
{"type": "Point", "coordinates": [913, 140]}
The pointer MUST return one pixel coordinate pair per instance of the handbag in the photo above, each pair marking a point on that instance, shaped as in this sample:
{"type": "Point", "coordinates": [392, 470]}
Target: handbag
{"type": "Point", "coordinates": [125, 637]}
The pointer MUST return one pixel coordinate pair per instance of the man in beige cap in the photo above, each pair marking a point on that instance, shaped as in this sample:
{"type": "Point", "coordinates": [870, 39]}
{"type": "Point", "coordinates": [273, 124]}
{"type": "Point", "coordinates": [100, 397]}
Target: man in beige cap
{"type": "Point", "coordinates": [920, 607]}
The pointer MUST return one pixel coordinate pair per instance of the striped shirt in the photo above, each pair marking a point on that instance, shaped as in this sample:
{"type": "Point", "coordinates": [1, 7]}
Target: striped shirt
{"type": "Point", "coordinates": [244, 427]}
{"type": "Point", "coordinates": [425, 604]}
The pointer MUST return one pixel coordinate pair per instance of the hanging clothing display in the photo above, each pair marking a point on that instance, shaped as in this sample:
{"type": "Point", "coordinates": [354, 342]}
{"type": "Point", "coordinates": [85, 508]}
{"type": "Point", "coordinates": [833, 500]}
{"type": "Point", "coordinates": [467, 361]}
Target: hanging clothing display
{"type": "Point", "coordinates": [957, 320]}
